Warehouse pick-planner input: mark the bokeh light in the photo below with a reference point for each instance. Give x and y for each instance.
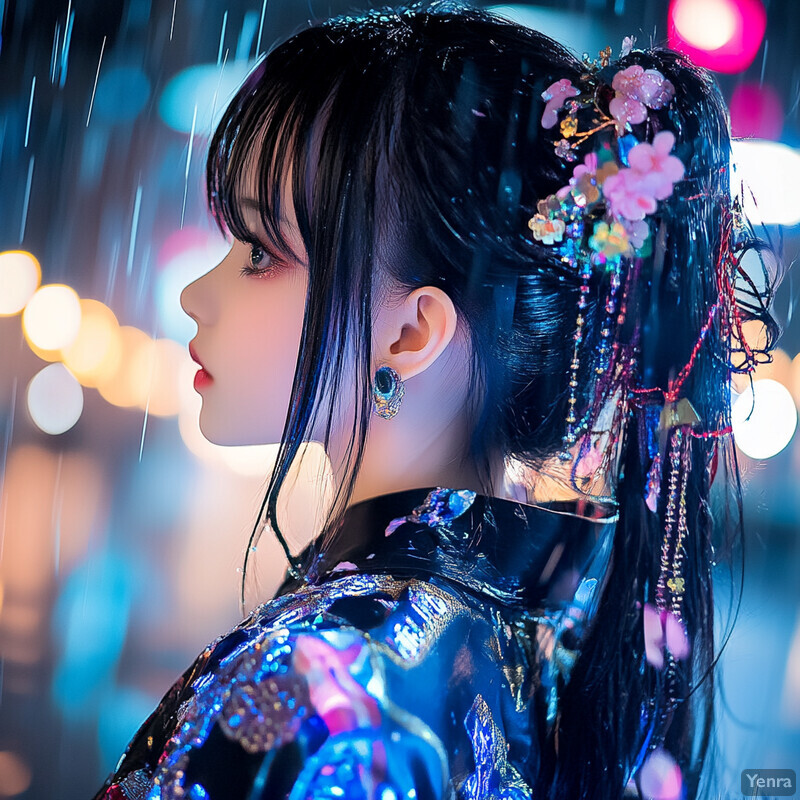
(756, 112)
(582, 33)
(793, 383)
(203, 90)
(707, 24)
(82, 497)
(124, 387)
(95, 353)
(764, 419)
(23, 641)
(779, 369)
(55, 399)
(249, 460)
(790, 696)
(52, 317)
(15, 774)
(189, 237)
(46, 355)
(156, 367)
(121, 712)
(770, 172)
(42, 490)
(26, 512)
(90, 623)
(661, 777)
(26, 508)
(20, 275)
(122, 93)
(723, 35)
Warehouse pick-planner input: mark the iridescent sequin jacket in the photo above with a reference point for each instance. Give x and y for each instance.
(422, 661)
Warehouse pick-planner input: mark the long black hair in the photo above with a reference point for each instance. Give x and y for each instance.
(414, 140)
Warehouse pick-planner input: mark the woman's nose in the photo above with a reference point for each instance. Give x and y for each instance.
(187, 300)
(199, 298)
(194, 298)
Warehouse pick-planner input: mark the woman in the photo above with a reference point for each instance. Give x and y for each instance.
(503, 288)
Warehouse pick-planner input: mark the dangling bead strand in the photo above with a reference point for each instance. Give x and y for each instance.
(571, 436)
(605, 332)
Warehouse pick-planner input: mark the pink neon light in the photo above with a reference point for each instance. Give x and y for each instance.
(756, 112)
(739, 51)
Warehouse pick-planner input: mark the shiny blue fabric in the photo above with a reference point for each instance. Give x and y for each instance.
(421, 659)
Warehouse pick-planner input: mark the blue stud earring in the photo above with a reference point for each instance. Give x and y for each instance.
(387, 392)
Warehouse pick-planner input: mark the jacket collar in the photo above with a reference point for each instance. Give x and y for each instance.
(508, 551)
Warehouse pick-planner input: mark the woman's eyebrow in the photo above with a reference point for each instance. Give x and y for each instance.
(251, 204)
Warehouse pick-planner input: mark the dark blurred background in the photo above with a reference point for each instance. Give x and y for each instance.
(121, 529)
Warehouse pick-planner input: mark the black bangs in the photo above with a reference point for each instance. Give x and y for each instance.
(262, 141)
(307, 127)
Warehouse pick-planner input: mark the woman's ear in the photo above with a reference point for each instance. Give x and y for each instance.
(410, 336)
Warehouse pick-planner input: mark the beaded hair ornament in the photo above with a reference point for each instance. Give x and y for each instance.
(603, 224)
(601, 219)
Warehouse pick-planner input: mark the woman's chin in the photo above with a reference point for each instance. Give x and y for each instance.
(224, 436)
(219, 434)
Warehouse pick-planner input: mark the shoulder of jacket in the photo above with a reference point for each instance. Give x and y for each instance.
(320, 687)
(361, 600)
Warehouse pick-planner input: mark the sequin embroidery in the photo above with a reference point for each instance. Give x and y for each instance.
(494, 778)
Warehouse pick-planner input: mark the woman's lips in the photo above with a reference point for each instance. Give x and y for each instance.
(202, 377)
(195, 358)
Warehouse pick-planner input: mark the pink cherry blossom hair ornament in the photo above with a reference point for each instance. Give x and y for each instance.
(555, 96)
(599, 219)
(636, 90)
(609, 223)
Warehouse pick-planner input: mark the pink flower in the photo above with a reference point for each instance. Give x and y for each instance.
(628, 196)
(654, 161)
(638, 231)
(583, 183)
(563, 193)
(582, 186)
(555, 96)
(589, 165)
(662, 628)
(638, 89)
(648, 86)
(626, 109)
(633, 192)
(661, 777)
(339, 699)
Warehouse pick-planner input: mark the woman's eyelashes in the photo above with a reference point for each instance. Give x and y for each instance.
(259, 262)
